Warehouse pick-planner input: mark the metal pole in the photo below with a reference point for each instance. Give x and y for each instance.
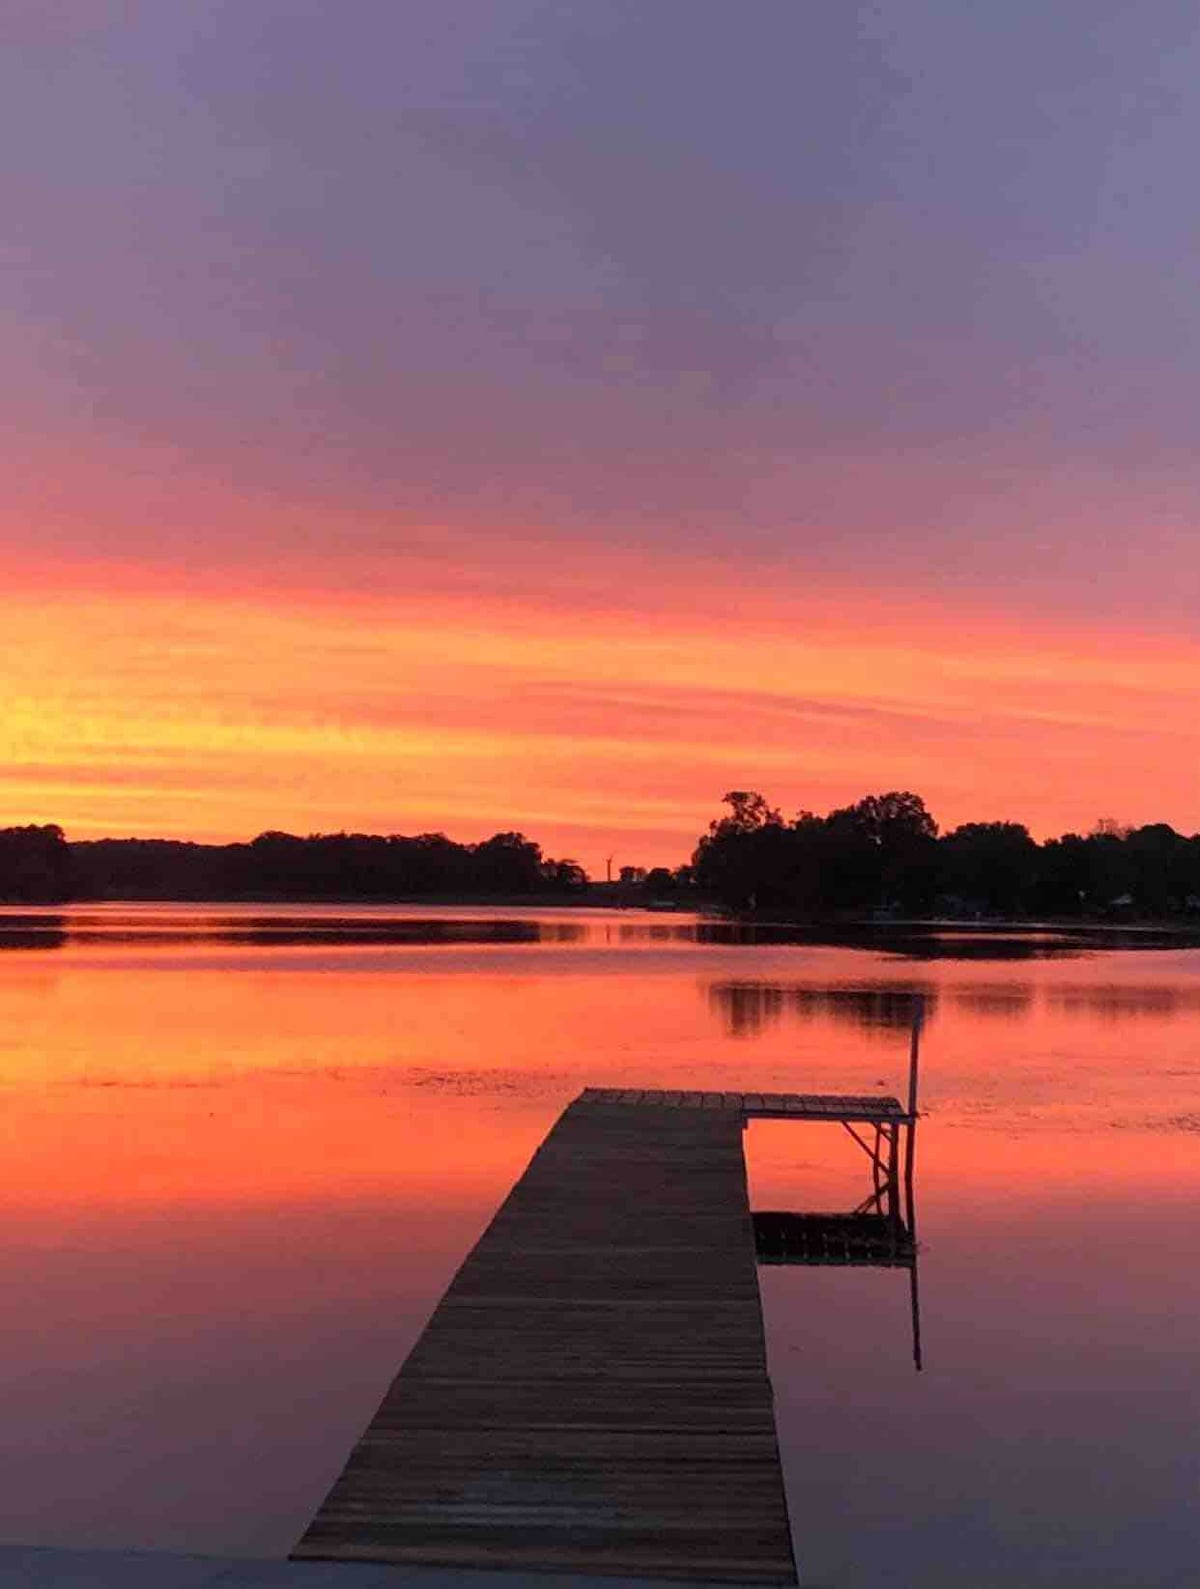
(914, 1060)
(910, 1146)
(914, 1052)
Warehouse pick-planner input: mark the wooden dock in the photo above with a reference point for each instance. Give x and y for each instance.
(853, 1108)
(591, 1394)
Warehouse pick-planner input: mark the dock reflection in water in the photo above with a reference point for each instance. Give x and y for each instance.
(880, 1232)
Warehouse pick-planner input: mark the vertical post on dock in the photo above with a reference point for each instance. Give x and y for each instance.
(914, 1052)
(914, 1061)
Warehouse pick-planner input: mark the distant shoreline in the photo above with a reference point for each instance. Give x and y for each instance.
(607, 897)
(881, 858)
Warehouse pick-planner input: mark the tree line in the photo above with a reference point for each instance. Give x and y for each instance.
(882, 854)
(885, 853)
(38, 864)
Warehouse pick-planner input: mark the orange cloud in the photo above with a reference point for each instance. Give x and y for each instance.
(606, 725)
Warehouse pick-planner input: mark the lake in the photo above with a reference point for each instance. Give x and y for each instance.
(248, 1146)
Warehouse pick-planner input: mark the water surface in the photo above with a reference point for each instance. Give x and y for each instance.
(247, 1147)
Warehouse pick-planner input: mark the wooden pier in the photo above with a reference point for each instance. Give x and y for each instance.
(591, 1394)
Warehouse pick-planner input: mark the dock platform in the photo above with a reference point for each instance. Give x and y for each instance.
(852, 1108)
(591, 1393)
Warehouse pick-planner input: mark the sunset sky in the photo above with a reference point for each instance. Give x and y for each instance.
(475, 414)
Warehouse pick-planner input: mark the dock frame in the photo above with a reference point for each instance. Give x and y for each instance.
(591, 1393)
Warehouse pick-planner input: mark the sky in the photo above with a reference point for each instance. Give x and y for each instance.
(552, 414)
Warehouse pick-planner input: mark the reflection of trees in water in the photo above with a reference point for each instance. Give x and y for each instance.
(1116, 1003)
(656, 932)
(278, 932)
(32, 931)
(937, 940)
(912, 940)
(267, 932)
(747, 1008)
(932, 945)
(996, 1002)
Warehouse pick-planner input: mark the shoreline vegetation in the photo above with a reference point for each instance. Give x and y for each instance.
(881, 860)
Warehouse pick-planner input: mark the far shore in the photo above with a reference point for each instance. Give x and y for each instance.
(778, 925)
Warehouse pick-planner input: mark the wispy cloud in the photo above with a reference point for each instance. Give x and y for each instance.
(216, 715)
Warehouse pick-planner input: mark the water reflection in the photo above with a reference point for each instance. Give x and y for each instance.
(272, 926)
(948, 940)
(32, 930)
(747, 1008)
(880, 1232)
(996, 1001)
(238, 1182)
(1112, 1002)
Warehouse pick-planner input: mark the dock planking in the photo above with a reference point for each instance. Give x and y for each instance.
(853, 1108)
(591, 1393)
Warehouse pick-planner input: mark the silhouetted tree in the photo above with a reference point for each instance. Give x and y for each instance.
(35, 865)
(748, 812)
(884, 852)
(992, 866)
(565, 874)
(1110, 867)
(1161, 868)
(744, 859)
(881, 851)
(1064, 876)
(279, 865)
(508, 863)
(153, 869)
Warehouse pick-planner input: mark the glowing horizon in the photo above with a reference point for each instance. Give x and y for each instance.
(214, 714)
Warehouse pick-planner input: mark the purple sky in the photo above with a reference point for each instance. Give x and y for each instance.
(902, 291)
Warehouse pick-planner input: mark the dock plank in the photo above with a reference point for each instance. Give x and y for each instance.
(591, 1394)
(789, 1105)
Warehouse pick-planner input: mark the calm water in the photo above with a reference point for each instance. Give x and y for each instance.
(247, 1148)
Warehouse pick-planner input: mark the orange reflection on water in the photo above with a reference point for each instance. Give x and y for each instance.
(239, 1177)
